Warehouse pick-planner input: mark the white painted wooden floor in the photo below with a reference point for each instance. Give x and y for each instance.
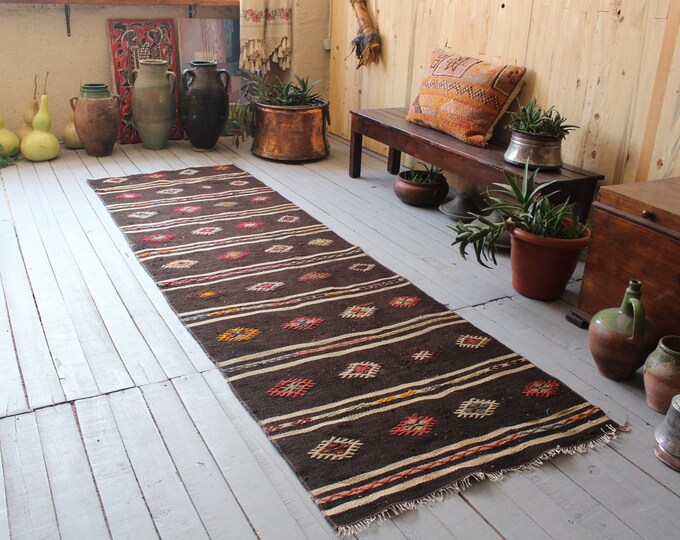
(114, 423)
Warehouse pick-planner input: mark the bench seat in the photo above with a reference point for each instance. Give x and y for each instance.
(483, 166)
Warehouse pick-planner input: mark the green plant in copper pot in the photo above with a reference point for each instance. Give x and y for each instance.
(532, 119)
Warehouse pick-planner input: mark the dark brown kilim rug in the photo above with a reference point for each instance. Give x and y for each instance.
(378, 396)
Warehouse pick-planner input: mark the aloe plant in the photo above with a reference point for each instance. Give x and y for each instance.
(531, 118)
(289, 94)
(523, 204)
(429, 174)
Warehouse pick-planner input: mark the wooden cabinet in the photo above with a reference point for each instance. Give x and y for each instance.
(635, 235)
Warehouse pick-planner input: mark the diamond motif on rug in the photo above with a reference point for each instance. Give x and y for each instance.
(303, 323)
(188, 172)
(142, 214)
(187, 209)
(260, 199)
(129, 196)
(159, 237)
(336, 448)
(180, 263)
(360, 370)
(206, 231)
(472, 342)
(238, 334)
(250, 225)
(170, 191)
(323, 242)
(239, 183)
(544, 389)
(291, 388)
(405, 302)
(227, 204)
(115, 180)
(311, 276)
(476, 408)
(278, 248)
(358, 312)
(414, 426)
(266, 286)
(288, 219)
(233, 255)
(362, 267)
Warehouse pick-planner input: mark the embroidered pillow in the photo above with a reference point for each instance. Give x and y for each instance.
(464, 96)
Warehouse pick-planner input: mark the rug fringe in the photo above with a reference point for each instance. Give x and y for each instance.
(608, 435)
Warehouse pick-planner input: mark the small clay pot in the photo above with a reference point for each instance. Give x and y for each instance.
(662, 373)
(417, 194)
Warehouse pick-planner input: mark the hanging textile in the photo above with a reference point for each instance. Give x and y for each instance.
(265, 34)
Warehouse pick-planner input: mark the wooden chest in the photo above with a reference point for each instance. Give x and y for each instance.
(635, 235)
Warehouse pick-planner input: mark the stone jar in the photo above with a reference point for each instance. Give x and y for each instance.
(662, 373)
(153, 102)
(204, 102)
(96, 116)
(621, 338)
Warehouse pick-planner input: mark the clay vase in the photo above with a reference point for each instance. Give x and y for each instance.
(40, 144)
(153, 102)
(662, 373)
(204, 102)
(96, 115)
(621, 338)
(418, 194)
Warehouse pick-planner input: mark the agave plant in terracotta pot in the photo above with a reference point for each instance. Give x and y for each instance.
(421, 187)
(546, 238)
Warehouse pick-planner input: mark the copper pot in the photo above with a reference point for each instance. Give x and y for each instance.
(296, 133)
(540, 150)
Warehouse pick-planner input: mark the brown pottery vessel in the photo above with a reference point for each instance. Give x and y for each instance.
(419, 194)
(662, 373)
(621, 338)
(96, 116)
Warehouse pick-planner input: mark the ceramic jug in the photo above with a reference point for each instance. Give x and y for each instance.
(153, 102)
(96, 115)
(204, 102)
(621, 338)
(662, 373)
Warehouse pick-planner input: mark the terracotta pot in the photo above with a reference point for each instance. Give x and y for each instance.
(417, 194)
(291, 133)
(153, 102)
(204, 102)
(621, 338)
(541, 267)
(96, 116)
(662, 373)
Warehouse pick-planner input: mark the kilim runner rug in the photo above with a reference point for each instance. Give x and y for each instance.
(378, 396)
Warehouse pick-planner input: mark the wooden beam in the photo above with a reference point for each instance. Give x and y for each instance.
(136, 2)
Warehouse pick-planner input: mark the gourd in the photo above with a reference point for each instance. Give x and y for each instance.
(40, 144)
(9, 142)
(70, 136)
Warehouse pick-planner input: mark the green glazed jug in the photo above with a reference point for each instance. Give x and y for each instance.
(662, 374)
(621, 338)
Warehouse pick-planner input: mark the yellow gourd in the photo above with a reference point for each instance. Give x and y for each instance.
(40, 144)
(70, 136)
(9, 142)
(29, 113)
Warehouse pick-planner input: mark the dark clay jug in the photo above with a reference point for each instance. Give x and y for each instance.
(621, 338)
(204, 102)
(96, 116)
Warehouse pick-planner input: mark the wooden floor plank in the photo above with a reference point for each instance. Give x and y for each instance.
(172, 511)
(29, 500)
(126, 511)
(75, 375)
(12, 393)
(78, 508)
(4, 517)
(214, 501)
(39, 374)
(251, 486)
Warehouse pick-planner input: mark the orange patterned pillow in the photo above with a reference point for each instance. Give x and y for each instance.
(464, 96)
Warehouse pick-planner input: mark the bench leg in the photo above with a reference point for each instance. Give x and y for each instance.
(355, 155)
(393, 161)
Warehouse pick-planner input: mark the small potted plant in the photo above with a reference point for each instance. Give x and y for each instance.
(546, 238)
(289, 119)
(421, 187)
(536, 136)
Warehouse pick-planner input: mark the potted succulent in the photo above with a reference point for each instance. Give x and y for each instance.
(546, 238)
(421, 187)
(288, 119)
(536, 136)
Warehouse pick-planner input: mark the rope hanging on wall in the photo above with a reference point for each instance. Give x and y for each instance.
(367, 43)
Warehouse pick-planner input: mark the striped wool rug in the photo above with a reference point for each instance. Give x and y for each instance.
(379, 397)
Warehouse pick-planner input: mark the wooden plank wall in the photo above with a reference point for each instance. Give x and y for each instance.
(611, 66)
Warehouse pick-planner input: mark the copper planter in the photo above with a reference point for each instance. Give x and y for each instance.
(295, 133)
(541, 151)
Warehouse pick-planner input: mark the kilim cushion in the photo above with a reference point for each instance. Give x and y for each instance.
(464, 96)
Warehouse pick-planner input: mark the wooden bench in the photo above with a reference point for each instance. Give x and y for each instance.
(481, 165)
